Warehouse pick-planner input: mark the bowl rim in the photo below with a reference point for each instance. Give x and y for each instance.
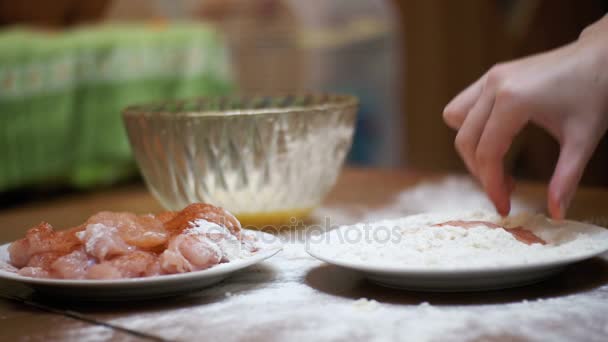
(338, 101)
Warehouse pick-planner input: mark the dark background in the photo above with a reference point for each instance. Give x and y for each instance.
(446, 45)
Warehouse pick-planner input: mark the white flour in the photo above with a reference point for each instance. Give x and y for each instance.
(94, 235)
(413, 242)
(366, 304)
(229, 247)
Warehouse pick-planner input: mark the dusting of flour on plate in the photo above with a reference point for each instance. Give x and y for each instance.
(219, 237)
(204, 227)
(415, 242)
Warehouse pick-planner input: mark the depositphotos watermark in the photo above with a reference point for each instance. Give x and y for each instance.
(311, 233)
(298, 231)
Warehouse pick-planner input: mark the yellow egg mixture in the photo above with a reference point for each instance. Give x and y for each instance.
(274, 220)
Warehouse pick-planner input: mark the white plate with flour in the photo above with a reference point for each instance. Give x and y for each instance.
(146, 287)
(424, 253)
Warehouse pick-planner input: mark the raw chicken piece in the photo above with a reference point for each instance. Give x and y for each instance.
(229, 245)
(34, 272)
(137, 264)
(19, 253)
(519, 233)
(203, 211)
(525, 236)
(165, 216)
(103, 242)
(133, 265)
(187, 253)
(44, 260)
(103, 271)
(71, 266)
(41, 239)
(39, 265)
(249, 240)
(143, 231)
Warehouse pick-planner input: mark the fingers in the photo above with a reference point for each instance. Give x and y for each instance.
(487, 132)
(456, 111)
(568, 172)
(503, 124)
(472, 128)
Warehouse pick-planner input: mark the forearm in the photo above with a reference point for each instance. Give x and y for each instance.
(592, 48)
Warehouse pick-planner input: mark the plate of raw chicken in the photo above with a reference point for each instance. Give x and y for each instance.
(124, 256)
(460, 251)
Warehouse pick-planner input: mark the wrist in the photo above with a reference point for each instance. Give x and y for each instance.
(599, 27)
(592, 45)
(592, 52)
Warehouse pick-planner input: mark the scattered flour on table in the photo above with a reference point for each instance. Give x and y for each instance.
(287, 309)
(272, 303)
(413, 241)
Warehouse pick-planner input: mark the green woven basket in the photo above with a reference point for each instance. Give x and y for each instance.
(61, 95)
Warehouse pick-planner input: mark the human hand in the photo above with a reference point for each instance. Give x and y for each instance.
(564, 91)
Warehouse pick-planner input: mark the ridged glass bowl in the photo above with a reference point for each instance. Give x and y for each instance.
(265, 159)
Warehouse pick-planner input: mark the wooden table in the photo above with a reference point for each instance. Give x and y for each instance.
(294, 297)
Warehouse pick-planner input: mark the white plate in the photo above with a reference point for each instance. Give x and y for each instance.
(456, 280)
(147, 287)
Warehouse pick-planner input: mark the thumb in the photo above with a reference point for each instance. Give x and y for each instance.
(572, 161)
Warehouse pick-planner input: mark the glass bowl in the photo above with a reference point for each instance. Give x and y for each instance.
(265, 159)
